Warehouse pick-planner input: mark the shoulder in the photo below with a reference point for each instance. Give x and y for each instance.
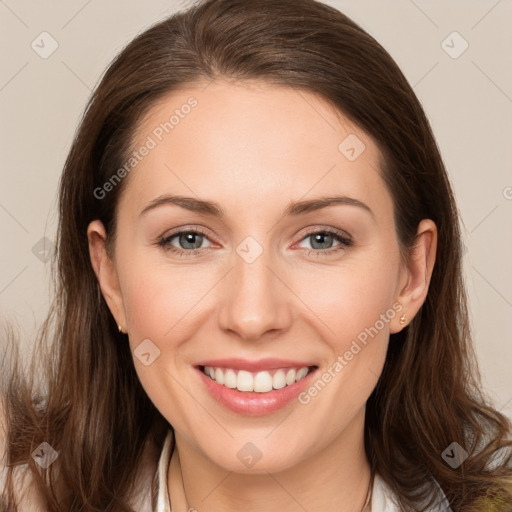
(385, 500)
(142, 497)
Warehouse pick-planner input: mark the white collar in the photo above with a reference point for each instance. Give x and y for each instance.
(163, 504)
(383, 499)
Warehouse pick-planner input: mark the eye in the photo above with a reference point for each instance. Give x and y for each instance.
(190, 242)
(321, 242)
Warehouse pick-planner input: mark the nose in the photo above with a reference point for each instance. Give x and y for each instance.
(255, 299)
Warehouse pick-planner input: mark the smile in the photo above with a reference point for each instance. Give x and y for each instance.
(259, 382)
(255, 388)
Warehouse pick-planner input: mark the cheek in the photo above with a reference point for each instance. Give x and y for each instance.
(157, 296)
(161, 302)
(350, 297)
(354, 306)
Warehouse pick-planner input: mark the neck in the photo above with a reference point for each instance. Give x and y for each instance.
(335, 478)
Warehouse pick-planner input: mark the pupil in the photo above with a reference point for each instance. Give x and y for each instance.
(319, 237)
(188, 238)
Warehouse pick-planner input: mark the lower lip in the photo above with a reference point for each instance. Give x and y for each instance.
(252, 403)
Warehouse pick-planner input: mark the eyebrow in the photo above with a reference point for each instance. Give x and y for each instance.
(215, 210)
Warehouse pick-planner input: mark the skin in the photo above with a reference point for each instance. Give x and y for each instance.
(254, 148)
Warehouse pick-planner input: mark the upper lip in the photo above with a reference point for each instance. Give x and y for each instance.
(269, 363)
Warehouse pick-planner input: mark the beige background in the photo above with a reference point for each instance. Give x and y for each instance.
(468, 100)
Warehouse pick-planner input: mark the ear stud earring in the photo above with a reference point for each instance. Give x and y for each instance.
(402, 319)
(119, 328)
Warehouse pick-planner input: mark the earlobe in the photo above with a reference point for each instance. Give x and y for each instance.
(105, 270)
(421, 260)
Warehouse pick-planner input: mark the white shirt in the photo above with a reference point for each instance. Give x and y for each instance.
(383, 499)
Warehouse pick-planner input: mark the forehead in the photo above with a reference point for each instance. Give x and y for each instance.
(251, 144)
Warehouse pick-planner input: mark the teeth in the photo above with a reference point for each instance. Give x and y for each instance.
(301, 373)
(230, 379)
(244, 381)
(279, 380)
(259, 382)
(219, 376)
(290, 376)
(263, 382)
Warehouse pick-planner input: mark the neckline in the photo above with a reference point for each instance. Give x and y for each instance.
(381, 497)
(163, 503)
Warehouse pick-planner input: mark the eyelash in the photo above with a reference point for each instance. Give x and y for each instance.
(345, 242)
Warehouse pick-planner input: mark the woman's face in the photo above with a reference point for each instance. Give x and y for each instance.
(277, 283)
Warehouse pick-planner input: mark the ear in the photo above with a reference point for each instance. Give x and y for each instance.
(416, 274)
(105, 270)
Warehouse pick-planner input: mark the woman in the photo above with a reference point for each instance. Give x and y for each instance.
(204, 357)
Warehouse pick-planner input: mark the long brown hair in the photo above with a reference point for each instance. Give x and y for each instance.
(90, 405)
